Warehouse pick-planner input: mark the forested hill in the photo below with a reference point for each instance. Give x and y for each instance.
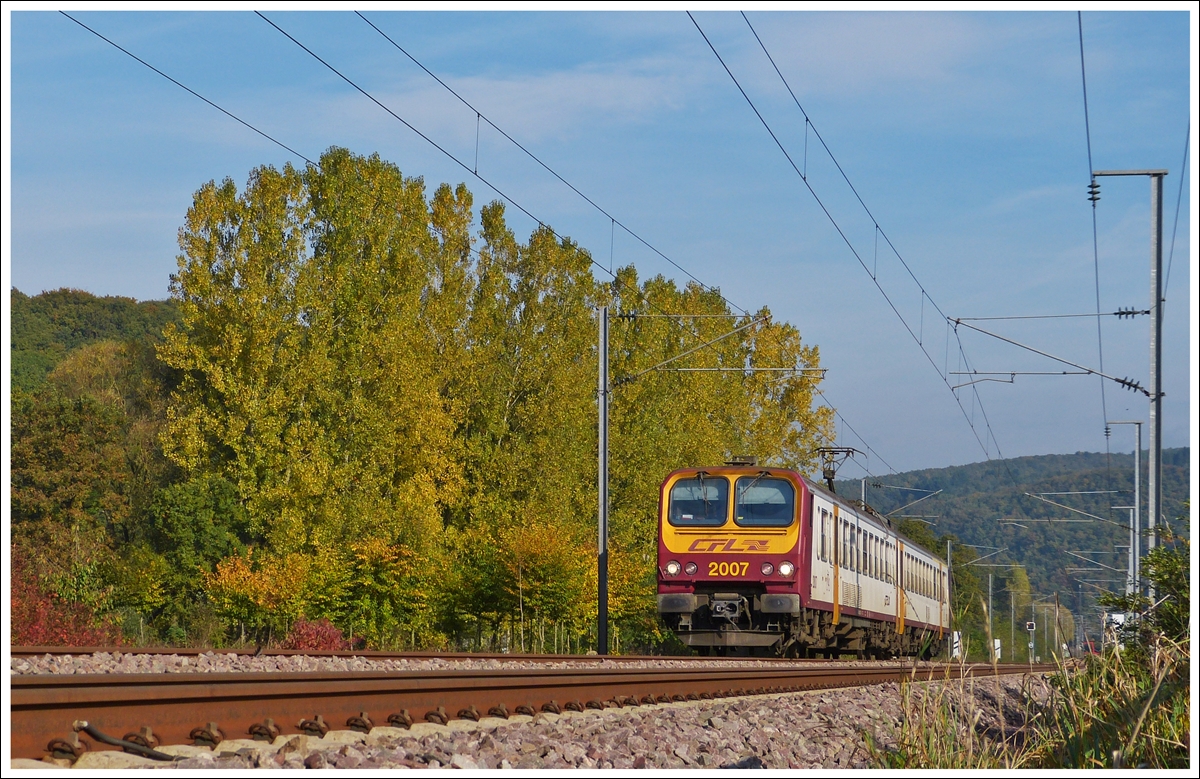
(975, 497)
(46, 327)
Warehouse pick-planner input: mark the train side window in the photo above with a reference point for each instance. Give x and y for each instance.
(847, 560)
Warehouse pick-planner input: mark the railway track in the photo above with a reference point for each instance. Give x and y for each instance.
(186, 708)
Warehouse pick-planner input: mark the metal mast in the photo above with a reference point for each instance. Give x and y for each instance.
(602, 541)
(1154, 487)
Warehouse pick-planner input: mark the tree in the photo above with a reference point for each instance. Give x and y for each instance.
(67, 463)
(365, 382)
(307, 379)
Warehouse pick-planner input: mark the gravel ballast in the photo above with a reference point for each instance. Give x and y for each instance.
(819, 729)
(229, 662)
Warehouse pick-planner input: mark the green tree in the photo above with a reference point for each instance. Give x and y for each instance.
(306, 364)
(361, 376)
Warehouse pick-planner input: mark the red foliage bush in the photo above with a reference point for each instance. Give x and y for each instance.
(40, 618)
(321, 635)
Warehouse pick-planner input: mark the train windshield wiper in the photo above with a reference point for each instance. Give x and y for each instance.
(757, 478)
(703, 491)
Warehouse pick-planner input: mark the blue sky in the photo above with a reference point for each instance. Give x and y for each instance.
(963, 133)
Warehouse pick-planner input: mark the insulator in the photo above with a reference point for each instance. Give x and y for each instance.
(1093, 191)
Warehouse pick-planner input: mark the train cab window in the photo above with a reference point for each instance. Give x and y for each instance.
(703, 501)
(763, 501)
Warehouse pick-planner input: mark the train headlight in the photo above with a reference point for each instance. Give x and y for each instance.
(672, 568)
(786, 569)
(690, 569)
(767, 569)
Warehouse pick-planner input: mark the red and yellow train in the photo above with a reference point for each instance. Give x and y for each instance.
(755, 560)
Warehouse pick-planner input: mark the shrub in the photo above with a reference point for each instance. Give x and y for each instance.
(321, 635)
(40, 618)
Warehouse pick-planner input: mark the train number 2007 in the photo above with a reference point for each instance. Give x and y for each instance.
(727, 569)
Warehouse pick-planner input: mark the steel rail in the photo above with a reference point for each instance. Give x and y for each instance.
(178, 706)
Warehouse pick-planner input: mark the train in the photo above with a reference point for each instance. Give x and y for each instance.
(763, 561)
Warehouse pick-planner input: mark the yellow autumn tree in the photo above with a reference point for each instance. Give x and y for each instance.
(408, 410)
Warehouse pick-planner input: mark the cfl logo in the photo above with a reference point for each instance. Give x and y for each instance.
(724, 545)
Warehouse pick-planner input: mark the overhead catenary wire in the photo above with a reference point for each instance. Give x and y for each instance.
(878, 231)
(503, 195)
(283, 145)
(1095, 198)
(916, 338)
(1178, 199)
(1127, 383)
(191, 91)
(1119, 314)
(479, 114)
(276, 141)
(613, 221)
(863, 441)
(465, 167)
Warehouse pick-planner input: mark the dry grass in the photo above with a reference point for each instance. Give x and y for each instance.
(1122, 709)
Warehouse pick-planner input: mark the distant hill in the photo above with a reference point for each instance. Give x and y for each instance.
(46, 327)
(974, 497)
